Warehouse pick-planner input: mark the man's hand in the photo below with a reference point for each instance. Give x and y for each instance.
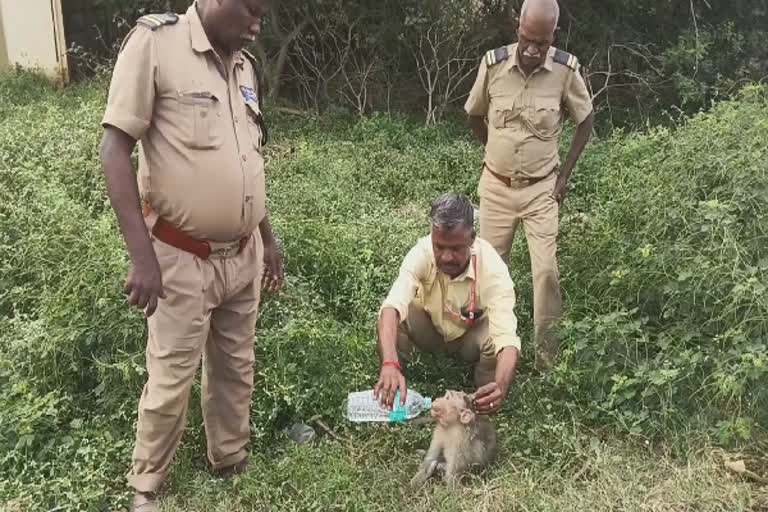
(580, 138)
(390, 380)
(144, 284)
(560, 190)
(489, 398)
(479, 128)
(272, 280)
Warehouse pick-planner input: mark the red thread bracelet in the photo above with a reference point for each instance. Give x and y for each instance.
(393, 363)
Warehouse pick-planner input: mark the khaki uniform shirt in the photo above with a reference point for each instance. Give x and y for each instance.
(525, 114)
(420, 281)
(200, 156)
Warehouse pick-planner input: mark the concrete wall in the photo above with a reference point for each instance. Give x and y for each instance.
(89, 28)
(3, 51)
(33, 36)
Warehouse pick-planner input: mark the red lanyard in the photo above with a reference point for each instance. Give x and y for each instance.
(470, 318)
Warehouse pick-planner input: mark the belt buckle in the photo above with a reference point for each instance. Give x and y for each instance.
(226, 251)
(518, 182)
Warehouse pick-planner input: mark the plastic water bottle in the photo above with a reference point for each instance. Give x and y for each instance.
(362, 406)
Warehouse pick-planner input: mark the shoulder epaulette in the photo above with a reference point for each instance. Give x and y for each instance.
(566, 59)
(255, 64)
(493, 57)
(155, 21)
(259, 94)
(251, 58)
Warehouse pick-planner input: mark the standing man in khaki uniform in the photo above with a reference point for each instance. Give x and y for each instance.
(521, 89)
(196, 228)
(453, 295)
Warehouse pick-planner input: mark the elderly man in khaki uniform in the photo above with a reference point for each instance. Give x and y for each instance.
(521, 90)
(201, 247)
(453, 295)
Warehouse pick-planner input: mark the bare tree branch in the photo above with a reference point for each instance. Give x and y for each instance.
(358, 76)
(696, 29)
(320, 55)
(444, 60)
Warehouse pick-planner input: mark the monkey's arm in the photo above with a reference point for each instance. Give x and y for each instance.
(429, 464)
(455, 465)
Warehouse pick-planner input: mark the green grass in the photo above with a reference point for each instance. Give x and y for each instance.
(663, 252)
(602, 478)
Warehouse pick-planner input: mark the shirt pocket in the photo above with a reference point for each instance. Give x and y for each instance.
(505, 112)
(546, 114)
(256, 127)
(201, 119)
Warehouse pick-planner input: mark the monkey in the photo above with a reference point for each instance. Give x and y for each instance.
(462, 440)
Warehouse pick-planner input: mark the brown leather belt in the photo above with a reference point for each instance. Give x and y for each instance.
(517, 182)
(171, 235)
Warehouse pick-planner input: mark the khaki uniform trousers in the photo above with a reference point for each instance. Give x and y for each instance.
(502, 209)
(474, 347)
(209, 312)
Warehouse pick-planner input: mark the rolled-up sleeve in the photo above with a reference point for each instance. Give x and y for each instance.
(499, 293)
(412, 270)
(577, 98)
(132, 89)
(478, 100)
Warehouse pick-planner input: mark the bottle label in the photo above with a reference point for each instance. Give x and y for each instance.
(398, 412)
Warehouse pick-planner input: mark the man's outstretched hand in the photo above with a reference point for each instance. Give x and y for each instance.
(489, 398)
(390, 380)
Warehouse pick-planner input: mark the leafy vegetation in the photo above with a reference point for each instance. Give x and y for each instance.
(663, 255)
(418, 57)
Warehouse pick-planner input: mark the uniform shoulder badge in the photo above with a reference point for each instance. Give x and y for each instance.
(566, 59)
(257, 95)
(255, 65)
(493, 57)
(155, 21)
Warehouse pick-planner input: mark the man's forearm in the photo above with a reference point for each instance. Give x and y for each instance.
(265, 229)
(479, 128)
(506, 363)
(580, 138)
(388, 322)
(123, 193)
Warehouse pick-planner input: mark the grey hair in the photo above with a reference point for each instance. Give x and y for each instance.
(539, 7)
(451, 210)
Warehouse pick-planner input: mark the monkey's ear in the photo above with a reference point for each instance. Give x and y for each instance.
(466, 416)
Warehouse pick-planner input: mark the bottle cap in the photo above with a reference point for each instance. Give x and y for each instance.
(427, 402)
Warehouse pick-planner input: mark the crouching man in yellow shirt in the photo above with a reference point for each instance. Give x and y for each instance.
(453, 295)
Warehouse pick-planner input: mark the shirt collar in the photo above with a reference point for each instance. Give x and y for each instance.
(547, 61)
(200, 41)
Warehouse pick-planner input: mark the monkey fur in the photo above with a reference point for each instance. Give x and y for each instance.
(462, 440)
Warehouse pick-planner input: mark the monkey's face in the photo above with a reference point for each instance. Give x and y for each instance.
(453, 408)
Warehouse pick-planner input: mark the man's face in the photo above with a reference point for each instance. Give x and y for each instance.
(238, 22)
(452, 249)
(533, 41)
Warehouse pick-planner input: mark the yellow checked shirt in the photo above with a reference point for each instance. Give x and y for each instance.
(420, 281)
